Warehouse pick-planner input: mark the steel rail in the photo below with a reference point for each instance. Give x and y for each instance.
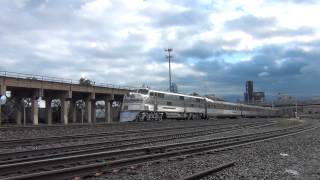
(193, 146)
(102, 166)
(27, 141)
(14, 157)
(209, 171)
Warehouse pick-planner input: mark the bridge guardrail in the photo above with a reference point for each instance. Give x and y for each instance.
(59, 80)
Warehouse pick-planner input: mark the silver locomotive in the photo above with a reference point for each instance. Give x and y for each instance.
(151, 105)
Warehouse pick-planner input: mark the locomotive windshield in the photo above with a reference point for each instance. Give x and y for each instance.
(143, 91)
(133, 98)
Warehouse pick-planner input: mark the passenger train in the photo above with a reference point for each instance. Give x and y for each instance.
(151, 105)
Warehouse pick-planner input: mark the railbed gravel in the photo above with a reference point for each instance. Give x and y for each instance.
(292, 157)
(99, 139)
(7, 133)
(240, 131)
(102, 139)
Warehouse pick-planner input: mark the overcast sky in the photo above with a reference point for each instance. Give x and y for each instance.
(217, 44)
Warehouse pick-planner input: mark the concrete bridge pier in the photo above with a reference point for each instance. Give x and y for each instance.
(88, 110)
(90, 107)
(73, 110)
(108, 105)
(36, 94)
(2, 92)
(35, 111)
(93, 111)
(65, 106)
(48, 111)
(19, 110)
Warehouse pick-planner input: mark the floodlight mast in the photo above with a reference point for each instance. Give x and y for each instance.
(169, 57)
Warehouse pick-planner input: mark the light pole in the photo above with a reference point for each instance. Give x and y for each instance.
(169, 58)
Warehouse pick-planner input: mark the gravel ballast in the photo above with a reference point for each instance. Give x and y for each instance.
(291, 157)
(7, 133)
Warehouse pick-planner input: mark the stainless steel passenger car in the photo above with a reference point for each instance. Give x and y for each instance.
(148, 105)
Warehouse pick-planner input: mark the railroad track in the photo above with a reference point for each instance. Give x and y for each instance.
(80, 165)
(14, 157)
(89, 136)
(207, 172)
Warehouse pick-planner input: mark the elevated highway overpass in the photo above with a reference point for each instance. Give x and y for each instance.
(22, 86)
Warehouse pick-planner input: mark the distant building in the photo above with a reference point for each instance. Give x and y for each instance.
(258, 96)
(248, 95)
(174, 88)
(283, 99)
(253, 97)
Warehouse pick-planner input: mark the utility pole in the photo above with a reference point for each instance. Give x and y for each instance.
(169, 57)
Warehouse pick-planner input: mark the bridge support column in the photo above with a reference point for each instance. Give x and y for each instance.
(90, 107)
(0, 115)
(82, 115)
(64, 111)
(34, 111)
(107, 107)
(65, 105)
(73, 110)
(48, 111)
(35, 106)
(93, 111)
(19, 115)
(88, 110)
(24, 111)
(2, 92)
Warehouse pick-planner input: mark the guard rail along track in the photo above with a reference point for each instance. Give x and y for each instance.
(86, 164)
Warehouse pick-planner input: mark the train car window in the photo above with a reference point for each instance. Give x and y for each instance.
(169, 103)
(181, 98)
(197, 100)
(219, 106)
(160, 95)
(152, 94)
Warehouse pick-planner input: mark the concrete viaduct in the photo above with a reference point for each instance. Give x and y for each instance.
(68, 92)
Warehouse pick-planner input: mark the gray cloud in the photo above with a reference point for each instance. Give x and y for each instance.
(298, 1)
(264, 27)
(208, 49)
(172, 18)
(289, 71)
(55, 38)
